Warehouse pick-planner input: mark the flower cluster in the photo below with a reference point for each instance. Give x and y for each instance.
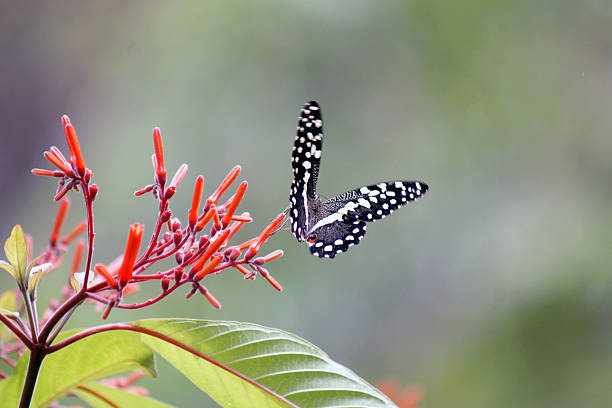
(200, 247)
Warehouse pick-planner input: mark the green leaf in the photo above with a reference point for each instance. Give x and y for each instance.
(90, 358)
(16, 250)
(8, 303)
(286, 364)
(9, 268)
(113, 397)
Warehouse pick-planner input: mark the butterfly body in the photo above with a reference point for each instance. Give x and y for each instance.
(334, 225)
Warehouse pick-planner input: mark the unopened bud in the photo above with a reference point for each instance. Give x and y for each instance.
(234, 254)
(203, 241)
(88, 176)
(251, 252)
(144, 190)
(170, 191)
(178, 274)
(166, 216)
(93, 191)
(177, 236)
(165, 282)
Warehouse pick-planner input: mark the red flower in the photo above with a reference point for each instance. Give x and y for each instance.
(131, 252)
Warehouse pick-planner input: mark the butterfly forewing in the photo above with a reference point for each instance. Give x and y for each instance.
(305, 161)
(376, 201)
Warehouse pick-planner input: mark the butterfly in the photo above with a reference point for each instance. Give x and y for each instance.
(334, 225)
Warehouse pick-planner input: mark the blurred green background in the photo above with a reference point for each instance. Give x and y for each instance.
(493, 290)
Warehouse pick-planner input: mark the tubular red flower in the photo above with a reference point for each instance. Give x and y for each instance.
(160, 168)
(248, 243)
(235, 227)
(195, 202)
(101, 269)
(59, 220)
(216, 260)
(267, 233)
(242, 218)
(144, 190)
(178, 176)
(78, 254)
(263, 272)
(213, 301)
(270, 257)
(234, 204)
(57, 162)
(247, 274)
(75, 149)
(131, 252)
(44, 172)
(206, 219)
(212, 248)
(74, 233)
(229, 179)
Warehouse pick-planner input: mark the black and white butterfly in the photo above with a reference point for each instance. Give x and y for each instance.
(334, 225)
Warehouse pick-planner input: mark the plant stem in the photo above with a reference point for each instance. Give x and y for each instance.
(37, 354)
(31, 314)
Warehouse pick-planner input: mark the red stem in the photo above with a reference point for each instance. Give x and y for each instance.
(90, 233)
(12, 327)
(150, 301)
(158, 226)
(152, 333)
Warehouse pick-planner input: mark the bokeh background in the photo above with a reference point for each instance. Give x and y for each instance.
(493, 290)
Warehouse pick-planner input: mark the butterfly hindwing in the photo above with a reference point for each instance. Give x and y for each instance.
(305, 161)
(337, 237)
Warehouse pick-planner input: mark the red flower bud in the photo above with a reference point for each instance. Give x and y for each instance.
(212, 248)
(76, 159)
(59, 220)
(78, 255)
(51, 173)
(234, 204)
(178, 176)
(160, 168)
(169, 193)
(178, 274)
(88, 175)
(165, 283)
(166, 216)
(93, 192)
(131, 252)
(59, 161)
(177, 237)
(263, 272)
(101, 269)
(247, 274)
(195, 202)
(144, 190)
(229, 179)
(216, 260)
(74, 233)
(213, 301)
